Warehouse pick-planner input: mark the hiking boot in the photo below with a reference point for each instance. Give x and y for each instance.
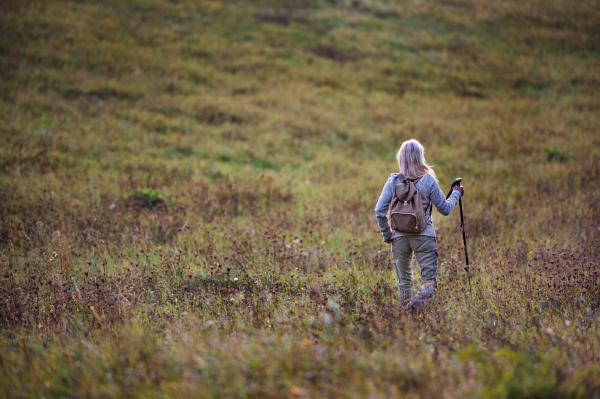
(404, 296)
(424, 295)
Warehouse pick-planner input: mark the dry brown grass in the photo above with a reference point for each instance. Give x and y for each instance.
(251, 266)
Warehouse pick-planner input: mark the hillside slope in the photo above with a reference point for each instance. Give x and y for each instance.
(187, 193)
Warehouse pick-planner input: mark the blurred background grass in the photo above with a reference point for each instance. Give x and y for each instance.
(250, 140)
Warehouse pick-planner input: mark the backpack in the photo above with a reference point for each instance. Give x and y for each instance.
(407, 214)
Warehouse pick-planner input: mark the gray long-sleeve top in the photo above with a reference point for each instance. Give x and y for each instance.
(430, 192)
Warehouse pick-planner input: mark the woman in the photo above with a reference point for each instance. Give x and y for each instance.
(411, 160)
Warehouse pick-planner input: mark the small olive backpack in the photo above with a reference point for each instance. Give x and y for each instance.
(407, 214)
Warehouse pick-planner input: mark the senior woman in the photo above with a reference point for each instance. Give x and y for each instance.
(412, 165)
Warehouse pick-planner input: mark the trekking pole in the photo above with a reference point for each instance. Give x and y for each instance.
(462, 224)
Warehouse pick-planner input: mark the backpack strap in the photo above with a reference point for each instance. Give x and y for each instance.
(429, 208)
(403, 178)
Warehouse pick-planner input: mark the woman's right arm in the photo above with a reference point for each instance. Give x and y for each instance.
(381, 210)
(443, 205)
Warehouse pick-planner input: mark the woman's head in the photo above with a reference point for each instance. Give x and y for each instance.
(411, 160)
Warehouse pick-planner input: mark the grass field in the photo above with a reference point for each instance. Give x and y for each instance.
(187, 193)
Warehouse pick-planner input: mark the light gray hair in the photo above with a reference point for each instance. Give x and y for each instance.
(411, 160)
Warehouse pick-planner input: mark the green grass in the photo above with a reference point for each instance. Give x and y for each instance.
(266, 130)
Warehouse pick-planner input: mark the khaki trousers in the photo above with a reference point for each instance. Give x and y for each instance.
(425, 250)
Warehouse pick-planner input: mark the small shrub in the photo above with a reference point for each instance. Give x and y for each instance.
(215, 116)
(150, 198)
(282, 18)
(185, 150)
(558, 154)
(333, 53)
(224, 157)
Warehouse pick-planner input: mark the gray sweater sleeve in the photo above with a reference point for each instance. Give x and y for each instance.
(381, 210)
(437, 197)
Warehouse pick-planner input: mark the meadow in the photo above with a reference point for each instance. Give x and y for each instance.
(187, 193)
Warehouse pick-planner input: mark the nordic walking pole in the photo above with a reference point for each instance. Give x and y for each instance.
(462, 224)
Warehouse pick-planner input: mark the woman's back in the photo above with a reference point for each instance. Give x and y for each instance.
(430, 194)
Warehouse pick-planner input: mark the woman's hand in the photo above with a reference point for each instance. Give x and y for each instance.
(460, 189)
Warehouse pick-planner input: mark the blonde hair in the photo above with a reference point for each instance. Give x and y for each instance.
(411, 160)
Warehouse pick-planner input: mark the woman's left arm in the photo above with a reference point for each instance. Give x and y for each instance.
(443, 205)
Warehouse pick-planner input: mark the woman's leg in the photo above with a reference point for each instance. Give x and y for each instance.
(425, 249)
(402, 256)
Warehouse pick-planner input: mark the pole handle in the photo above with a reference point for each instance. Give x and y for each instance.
(454, 184)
